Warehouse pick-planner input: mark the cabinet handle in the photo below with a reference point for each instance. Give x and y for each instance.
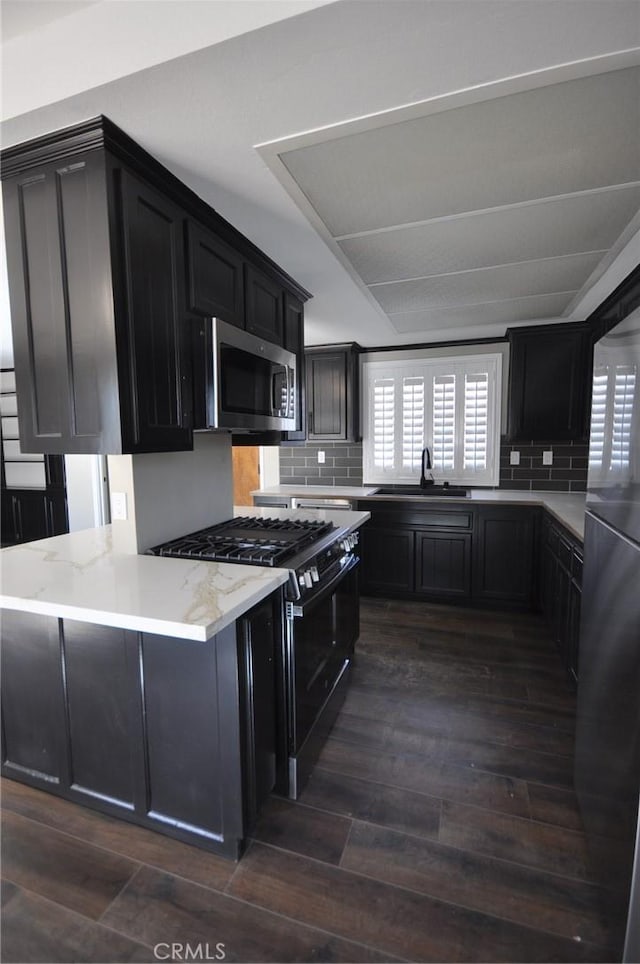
(17, 517)
(50, 519)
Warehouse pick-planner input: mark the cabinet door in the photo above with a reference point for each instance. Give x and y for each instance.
(59, 265)
(443, 564)
(503, 565)
(294, 341)
(259, 706)
(575, 602)
(264, 307)
(57, 513)
(31, 519)
(33, 713)
(327, 396)
(387, 560)
(548, 384)
(159, 362)
(216, 283)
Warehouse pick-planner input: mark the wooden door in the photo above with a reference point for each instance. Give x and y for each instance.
(246, 473)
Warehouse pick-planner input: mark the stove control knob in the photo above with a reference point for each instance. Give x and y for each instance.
(308, 579)
(315, 575)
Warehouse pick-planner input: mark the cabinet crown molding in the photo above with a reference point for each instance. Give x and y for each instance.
(100, 133)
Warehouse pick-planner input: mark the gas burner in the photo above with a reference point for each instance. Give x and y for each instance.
(251, 540)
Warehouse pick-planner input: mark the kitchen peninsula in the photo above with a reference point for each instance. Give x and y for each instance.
(145, 687)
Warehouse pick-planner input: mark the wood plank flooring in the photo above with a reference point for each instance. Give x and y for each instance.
(439, 825)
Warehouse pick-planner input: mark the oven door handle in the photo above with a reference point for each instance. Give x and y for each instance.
(323, 591)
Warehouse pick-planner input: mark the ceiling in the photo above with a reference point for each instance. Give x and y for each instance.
(20, 17)
(498, 211)
(442, 169)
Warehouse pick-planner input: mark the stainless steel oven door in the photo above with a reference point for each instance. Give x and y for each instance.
(321, 634)
(252, 384)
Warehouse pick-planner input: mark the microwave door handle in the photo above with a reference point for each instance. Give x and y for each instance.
(290, 391)
(274, 393)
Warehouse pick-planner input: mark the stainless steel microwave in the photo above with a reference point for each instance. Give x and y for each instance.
(252, 382)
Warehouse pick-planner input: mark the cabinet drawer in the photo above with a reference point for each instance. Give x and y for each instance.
(417, 515)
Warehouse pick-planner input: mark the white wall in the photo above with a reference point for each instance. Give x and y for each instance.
(87, 491)
(171, 494)
(269, 466)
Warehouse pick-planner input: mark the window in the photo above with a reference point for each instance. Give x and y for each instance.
(612, 400)
(451, 405)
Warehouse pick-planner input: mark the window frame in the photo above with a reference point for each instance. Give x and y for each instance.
(429, 368)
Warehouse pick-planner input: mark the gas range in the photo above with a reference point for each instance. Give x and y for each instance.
(319, 615)
(309, 549)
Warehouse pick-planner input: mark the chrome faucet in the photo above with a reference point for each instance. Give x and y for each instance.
(426, 476)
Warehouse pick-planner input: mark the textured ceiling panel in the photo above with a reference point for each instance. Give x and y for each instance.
(503, 312)
(567, 137)
(488, 284)
(588, 222)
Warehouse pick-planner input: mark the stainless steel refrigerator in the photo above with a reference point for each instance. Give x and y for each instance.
(607, 769)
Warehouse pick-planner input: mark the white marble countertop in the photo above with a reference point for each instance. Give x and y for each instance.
(78, 576)
(568, 508)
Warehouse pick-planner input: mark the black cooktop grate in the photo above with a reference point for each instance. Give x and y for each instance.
(251, 540)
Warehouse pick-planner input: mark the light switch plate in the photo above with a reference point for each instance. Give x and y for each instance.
(321, 458)
(547, 457)
(118, 506)
(514, 458)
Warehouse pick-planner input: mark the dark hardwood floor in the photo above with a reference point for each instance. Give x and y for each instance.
(438, 825)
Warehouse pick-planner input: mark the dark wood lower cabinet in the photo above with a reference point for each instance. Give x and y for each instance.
(176, 735)
(443, 564)
(561, 590)
(387, 560)
(259, 720)
(504, 545)
(30, 514)
(450, 553)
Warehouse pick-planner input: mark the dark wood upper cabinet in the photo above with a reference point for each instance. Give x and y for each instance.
(158, 356)
(216, 276)
(263, 305)
(112, 263)
(332, 396)
(549, 382)
(62, 312)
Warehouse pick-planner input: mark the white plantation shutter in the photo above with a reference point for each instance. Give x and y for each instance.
(598, 418)
(384, 422)
(476, 421)
(452, 405)
(612, 401)
(623, 398)
(444, 422)
(412, 421)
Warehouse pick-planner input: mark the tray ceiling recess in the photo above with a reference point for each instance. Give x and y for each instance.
(454, 214)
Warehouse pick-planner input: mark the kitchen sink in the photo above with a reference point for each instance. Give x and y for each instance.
(430, 492)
